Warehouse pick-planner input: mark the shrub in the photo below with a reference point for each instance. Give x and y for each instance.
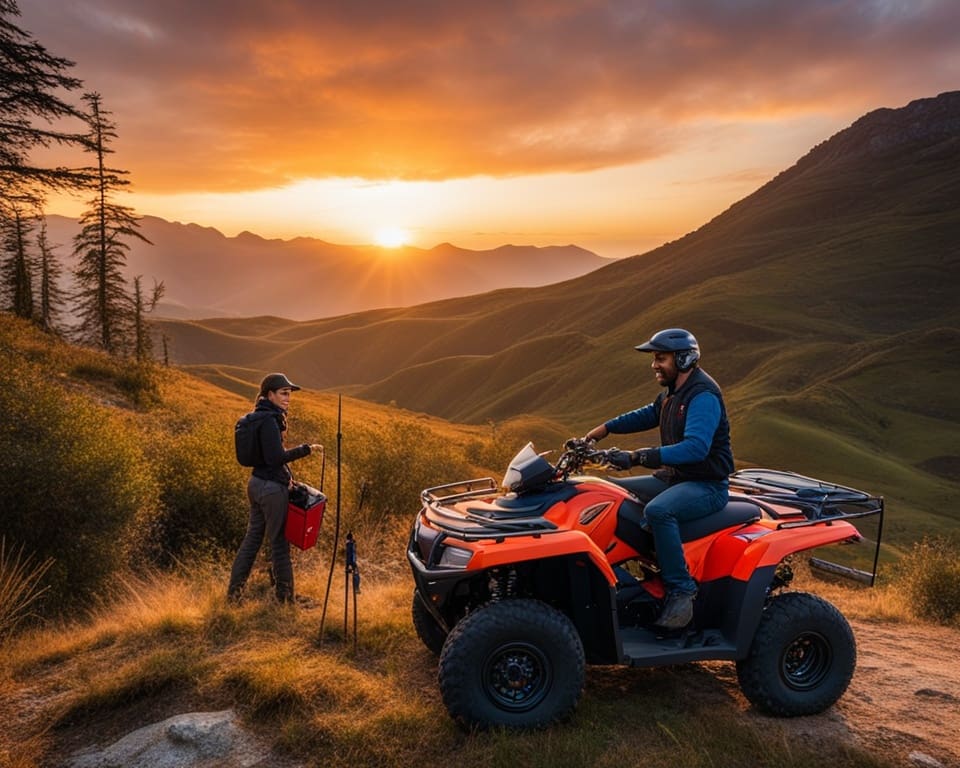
(73, 480)
(930, 574)
(203, 502)
(389, 467)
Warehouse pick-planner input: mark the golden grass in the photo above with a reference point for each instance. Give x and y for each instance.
(374, 703)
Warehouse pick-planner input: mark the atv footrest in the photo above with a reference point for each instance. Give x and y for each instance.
(644, 648)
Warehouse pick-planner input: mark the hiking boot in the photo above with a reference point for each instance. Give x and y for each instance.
(677, 612)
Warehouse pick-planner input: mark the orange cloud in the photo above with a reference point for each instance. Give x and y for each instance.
(220, 96)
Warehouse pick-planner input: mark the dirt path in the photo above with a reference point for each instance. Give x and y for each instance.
(904, 701)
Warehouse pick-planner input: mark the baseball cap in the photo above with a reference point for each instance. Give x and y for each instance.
(274, 381)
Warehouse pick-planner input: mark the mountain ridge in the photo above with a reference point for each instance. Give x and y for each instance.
(209, 274)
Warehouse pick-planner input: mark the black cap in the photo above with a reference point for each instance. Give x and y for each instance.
(275, 381)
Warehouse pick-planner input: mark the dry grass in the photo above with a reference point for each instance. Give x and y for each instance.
(21, 586)
(171, 643)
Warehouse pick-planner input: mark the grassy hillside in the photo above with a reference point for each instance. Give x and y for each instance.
(825, 304)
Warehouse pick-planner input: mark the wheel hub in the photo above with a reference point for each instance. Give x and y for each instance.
(806, 661)
(517, 677)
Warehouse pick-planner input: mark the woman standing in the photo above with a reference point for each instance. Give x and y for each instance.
(268, 489)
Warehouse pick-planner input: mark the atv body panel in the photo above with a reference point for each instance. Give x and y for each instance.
(578, 545)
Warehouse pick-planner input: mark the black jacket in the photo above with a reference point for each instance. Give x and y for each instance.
(275, 458)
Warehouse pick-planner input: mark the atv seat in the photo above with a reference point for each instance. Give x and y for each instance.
(633, 529)
(735, 513)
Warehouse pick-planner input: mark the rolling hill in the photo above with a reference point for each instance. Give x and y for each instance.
(207, 274)
(825, 303)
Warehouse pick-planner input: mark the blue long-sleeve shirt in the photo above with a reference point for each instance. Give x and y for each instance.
(703, 418)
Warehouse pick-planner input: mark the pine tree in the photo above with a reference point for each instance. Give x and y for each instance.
(106, 314)
(17, 272)
(51, 293)
(142, 342)
(30, 80)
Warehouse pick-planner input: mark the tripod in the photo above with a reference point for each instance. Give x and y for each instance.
(351, 579)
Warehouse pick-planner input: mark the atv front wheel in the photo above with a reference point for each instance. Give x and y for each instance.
(801, 659)
(430, 633)
(516, 663)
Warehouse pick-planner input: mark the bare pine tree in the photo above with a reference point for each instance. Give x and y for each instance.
(51, 292)
(105, 311)
(142, 342)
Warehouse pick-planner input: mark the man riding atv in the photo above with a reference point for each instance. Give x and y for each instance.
(691, 465)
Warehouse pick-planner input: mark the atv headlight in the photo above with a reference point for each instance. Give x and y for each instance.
(455, 557)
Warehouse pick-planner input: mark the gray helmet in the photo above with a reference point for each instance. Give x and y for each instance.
(678, 341)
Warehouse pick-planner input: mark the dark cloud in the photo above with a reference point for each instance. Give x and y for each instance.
(231, 95)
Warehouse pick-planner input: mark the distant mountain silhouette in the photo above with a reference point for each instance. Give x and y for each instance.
(826, 304)
(207, 274)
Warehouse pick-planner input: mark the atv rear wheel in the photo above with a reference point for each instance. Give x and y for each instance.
(516, 663)
(801, 659)
(430, 633)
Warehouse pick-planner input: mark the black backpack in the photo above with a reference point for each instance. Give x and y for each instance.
(246, 438)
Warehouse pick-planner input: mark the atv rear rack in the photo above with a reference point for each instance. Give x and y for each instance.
(820, 503)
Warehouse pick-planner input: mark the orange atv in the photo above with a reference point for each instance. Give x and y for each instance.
(518, 590)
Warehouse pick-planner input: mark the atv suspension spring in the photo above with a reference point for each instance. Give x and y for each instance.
(502, 583)
(782, 576)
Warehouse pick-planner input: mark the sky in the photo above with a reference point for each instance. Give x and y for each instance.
(616, 125)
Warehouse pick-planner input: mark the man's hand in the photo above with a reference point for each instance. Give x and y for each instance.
(619, 459)
(645, 457)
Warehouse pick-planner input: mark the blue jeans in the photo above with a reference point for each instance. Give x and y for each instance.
(268, 515)
(668, 506)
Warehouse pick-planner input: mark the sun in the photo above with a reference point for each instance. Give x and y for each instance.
(392, 237)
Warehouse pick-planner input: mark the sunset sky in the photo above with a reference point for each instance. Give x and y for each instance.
(613, 124)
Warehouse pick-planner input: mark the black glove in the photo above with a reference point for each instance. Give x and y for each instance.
(578, 442)
(647, 457)
(619, 459)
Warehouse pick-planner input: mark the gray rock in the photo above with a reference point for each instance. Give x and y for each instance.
(925, 761)
(192, 740)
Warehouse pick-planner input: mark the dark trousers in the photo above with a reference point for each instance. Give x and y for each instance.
(667, 507)
(268, 515)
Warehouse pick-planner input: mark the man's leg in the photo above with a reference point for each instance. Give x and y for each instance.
(680, 503)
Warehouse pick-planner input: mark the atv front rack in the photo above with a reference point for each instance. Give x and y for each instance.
(472, 524)
(817, 502)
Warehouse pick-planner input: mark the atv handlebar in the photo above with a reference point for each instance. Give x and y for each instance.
(578, 453)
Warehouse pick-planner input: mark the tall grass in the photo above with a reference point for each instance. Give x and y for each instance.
(931, 578)
(21, 586)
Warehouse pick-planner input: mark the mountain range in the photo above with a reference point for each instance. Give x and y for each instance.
(825, 303)
(207, 274)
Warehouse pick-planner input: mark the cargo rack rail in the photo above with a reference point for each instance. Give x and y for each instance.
(474, 527)
(820, 503)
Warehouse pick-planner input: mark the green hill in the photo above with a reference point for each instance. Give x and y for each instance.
(825, 304)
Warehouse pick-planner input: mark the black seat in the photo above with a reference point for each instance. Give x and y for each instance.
(735, 513)
(632, 526)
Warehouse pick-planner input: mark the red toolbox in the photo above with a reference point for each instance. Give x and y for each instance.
(304, 515)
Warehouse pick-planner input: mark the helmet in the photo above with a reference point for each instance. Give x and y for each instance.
(677, 340)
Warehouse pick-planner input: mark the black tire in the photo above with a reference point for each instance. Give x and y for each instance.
(515, 663)
(802, 657)
(430, 633)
